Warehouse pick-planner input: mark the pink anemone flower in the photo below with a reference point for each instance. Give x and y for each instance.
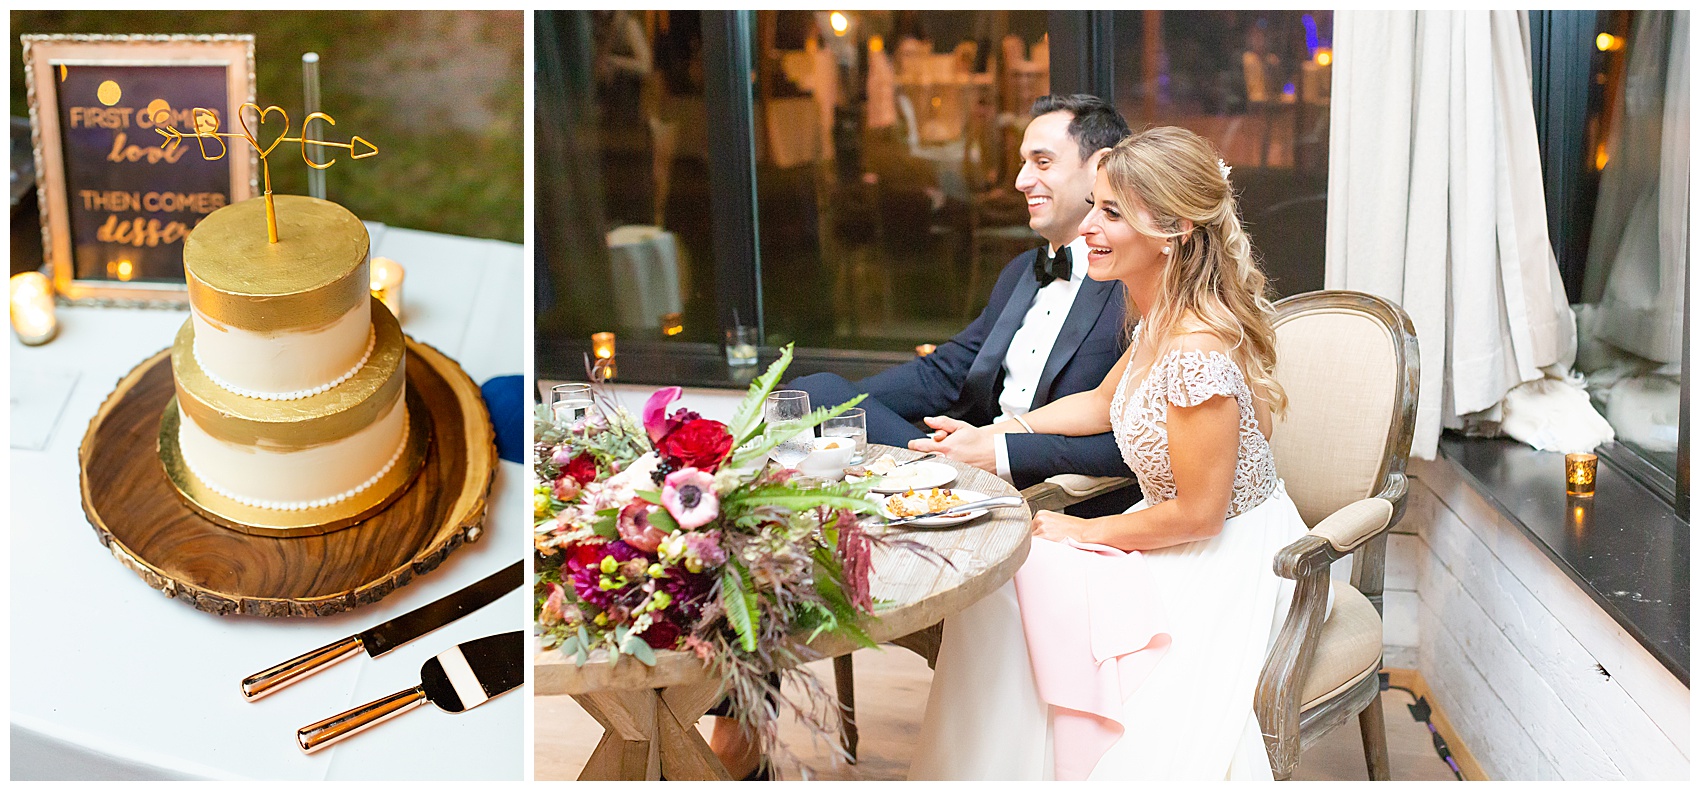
(688, 495)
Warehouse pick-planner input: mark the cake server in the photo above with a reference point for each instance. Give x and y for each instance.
(384, 637)
(458, 679)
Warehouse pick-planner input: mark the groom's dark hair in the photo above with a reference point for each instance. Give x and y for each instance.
(1096, 123)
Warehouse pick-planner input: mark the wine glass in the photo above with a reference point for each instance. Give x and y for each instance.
(784, 409)
(571, 402)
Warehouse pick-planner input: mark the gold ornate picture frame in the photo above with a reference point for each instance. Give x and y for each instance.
(115, 202)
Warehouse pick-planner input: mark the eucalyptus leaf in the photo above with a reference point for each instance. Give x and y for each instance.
(663, 521)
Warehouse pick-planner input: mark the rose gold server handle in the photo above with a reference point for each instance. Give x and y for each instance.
(327, 732)
(279, 676)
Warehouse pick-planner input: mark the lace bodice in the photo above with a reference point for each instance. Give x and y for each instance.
(1187, 378)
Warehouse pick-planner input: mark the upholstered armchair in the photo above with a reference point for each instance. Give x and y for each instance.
(1348, 362)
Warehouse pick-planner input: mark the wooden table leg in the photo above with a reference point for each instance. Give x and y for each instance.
(684, 754)
(844, 673)
(652, 732)
(629, 750)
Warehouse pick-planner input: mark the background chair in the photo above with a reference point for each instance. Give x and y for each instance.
(1348, 362)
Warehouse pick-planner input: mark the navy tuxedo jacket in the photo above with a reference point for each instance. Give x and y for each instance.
(964, 376)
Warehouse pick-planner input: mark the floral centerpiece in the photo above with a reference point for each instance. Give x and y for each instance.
(669, 532)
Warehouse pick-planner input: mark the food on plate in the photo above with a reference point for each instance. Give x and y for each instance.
(911, 503)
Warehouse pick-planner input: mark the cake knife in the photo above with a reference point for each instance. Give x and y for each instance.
(384, 637)
(458, 679)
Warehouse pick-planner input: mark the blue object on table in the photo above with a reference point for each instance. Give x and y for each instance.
(505, 398)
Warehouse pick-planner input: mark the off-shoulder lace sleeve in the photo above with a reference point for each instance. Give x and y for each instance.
(1189, 378)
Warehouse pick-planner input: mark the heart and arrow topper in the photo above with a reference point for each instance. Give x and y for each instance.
(207, 128)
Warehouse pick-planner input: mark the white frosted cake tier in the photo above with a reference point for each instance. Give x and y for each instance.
(295, 478)
(284, 365)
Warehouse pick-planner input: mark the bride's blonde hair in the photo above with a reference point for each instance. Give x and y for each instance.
(1211, 281)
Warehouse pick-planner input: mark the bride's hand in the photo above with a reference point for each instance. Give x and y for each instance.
(1056, 526)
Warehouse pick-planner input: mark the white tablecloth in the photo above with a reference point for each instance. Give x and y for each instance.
(110, 679)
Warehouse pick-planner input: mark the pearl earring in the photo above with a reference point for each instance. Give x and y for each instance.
(1165, 249)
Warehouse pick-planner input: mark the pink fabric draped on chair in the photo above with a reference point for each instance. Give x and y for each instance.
(1095, 630)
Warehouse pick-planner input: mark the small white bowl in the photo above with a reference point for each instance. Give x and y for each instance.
(830, 457)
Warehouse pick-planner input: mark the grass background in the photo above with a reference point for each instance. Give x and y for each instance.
(441, 93)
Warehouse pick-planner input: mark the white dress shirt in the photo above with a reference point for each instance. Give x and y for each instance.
(1031, 345)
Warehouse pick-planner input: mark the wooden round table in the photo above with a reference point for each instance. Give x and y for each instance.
(649, 713)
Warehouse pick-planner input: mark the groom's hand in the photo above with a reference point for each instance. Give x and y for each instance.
(959, 441)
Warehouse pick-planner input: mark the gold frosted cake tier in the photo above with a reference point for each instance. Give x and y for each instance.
(304, 422)
(315, 273)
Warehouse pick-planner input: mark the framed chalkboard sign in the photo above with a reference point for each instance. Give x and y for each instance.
(115, 203)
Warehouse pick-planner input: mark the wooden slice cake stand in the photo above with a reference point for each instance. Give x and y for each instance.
(139, 516)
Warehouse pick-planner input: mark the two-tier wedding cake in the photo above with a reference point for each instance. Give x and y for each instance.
(290, 379)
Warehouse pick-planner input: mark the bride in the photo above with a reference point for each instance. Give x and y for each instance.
(1129, 646)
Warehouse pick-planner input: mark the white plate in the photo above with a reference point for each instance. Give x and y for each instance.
(967, 495)
(920, 475)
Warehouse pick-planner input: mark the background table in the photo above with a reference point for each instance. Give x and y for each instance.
(649, 711)
(111, 679)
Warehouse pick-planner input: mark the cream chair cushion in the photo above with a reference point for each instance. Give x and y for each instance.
(1337, 367)
(1349, 647)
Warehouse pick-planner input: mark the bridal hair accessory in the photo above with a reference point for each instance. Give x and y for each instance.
(1225, 168)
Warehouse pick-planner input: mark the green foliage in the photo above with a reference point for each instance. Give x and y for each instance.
(738, 597)
(747, 420)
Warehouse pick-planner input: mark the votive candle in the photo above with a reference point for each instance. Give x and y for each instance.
(33, 316)
(1579, 472)
(387, 276)
(602, 348)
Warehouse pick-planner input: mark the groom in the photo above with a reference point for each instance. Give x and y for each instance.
(1049, 331)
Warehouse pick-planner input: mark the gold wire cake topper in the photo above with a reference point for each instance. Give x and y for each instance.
(206, 128)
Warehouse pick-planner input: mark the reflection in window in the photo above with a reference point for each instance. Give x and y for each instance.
(1256, 84)
(886, 156)
(622, 176)
(1630, 340)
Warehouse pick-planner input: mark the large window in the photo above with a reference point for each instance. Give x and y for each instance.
(1256, 83)
(625, 237)
(845, 180)
(887, 145)
(1617, 170)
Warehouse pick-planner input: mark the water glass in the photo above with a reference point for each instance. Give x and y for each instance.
(571, 402)
(786, 408)
(853, 423)
(740, 346)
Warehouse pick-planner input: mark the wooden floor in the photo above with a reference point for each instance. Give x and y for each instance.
(891, 690)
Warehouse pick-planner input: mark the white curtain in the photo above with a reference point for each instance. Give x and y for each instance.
(1435, 201)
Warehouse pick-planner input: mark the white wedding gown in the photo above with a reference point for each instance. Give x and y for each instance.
(1191, 718)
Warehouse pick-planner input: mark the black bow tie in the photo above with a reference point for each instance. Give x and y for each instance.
(1047, 268)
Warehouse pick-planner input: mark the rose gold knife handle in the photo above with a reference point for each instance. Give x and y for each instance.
(277, 677)
(327, 732)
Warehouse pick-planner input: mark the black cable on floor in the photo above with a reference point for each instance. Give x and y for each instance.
(1421, 712)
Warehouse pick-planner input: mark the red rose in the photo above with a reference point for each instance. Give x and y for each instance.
(661, 635)
(582, 468)
(701, 443)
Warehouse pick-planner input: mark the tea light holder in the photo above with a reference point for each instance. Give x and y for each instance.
(387, 276)
(602, 348)
(33, 316)
(1579, 472)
